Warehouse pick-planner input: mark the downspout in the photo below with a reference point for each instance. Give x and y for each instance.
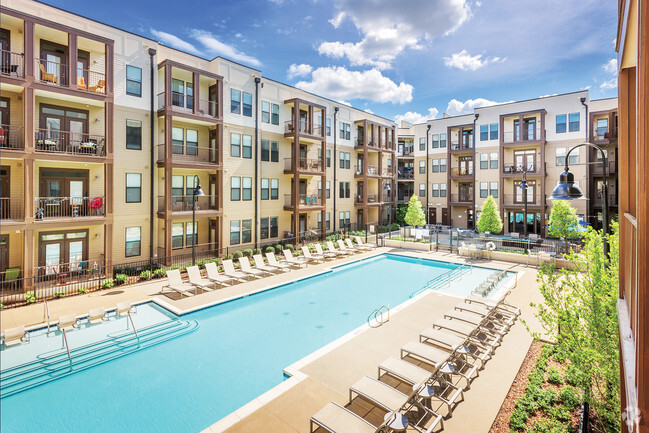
(335, 163)
(152, 53)
(475, 143)
(257, 81)
(426, 168)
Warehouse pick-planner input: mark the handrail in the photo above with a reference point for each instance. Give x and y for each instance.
(444, 279)
(46, 311)
(67, 348)
(134, 330)
(379, 312)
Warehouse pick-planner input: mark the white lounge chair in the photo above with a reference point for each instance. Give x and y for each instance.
(13, 336)
(214, 276)
(294, 261)
(484, 312)
(336, 419)
(332, 249)
(176, 283)
(272, 261)
(97, 315)
(472, 332)
(314, 258)
(196, 280)
(69, 321)
(325, 254)
(500, 303)
(259, 264)
(351, 246)
(246, 268)
(344, 247)
(455, 343)
(123, 308)
(359, 241)
(228, 269)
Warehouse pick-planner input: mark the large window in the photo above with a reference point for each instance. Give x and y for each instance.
(274, 151)
(265, 150)
(345, 159)
(344, 219)
(133, 134)
(246, 231)
(246, 146)
(191, 183)
(235, 232)
(484, 132)
(422, 190)
(435, 165)
(274, 114)
(263, 228)
(493, 189)
(274, 227)
(493, 160)
(435, 190)
(344, 190)
(265, 111)
(484, 161)
(235, 101)
(268, 227)
(133, 187)
(422, 167)
(493, 131)
(435, 141)
(442, 140)
(561, 156)
(133, 241)
(133, 81)
(191, 234)
(573, 124)
(484, 191)
(442, 190)
(274, 189)
(422, 143)
(191, 142)
(235, 145)
(235, 188)
(442, 165)
(345, 130)
(265, 189)
(561, 123)
(177, 140)
(177, 185)
(246, 188)
(177, 235)
(247, 104)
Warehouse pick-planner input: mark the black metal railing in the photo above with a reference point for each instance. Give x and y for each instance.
(12, 64)
(46, 208)
(12, 137)
(12, 208)
(72, 143)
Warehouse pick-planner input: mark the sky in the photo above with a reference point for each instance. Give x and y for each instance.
(400, 59)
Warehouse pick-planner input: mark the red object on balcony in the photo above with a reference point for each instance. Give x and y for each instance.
(96, 203)
(606, 135)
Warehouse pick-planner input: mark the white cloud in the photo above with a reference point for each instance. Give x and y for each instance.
(174, 41)
(389, 27)
(341, 84)
(298, 70)
(455, 107)
(464, 61)
(216, 47)
(611, 66)
(415, 118)
(610, 84)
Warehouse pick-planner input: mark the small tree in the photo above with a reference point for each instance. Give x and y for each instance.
(415, 214)
(490, 220)
(564, 222)
(402, 209)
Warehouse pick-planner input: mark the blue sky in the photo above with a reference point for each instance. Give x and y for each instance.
(412, 59)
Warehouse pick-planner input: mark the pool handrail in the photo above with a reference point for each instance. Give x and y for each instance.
(67, 347)
(134, 330)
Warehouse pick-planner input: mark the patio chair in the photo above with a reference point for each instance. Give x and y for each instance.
(359, 241)
(332, 249)
(213, 274)
(312, 258)
(67, 322)
(46, 76)
(471, 332)
(483, 312)
(81, 83)
(259, 264)
(454, 343)
(336, 419)
(350, 245)
(272, 261)
(176, 283)
(124, 308)
(97, 315)
(425, 352)
(499, 303)
(228, 269)
(344, 247)
(13, 336)
(296, 262)
(196, 280)
(246, 268)
(99, 88)
(325, 254)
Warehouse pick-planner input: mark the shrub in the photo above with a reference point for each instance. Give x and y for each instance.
(145, 275)
(527, 404)
(518, 419)
(120, 279)
(237, 254)
(30, 297)
(59, 294)
(160, 273)
(279, 248)
(568, 396)
(545, 398)
(269, 249)
(201, 263)
(247, 252)
(560, 413)
(554, 376)
(490, 220)
(256, 251)
(290, 247)
(228, 257)
(573, 375)
(107, 283)
(560, 354)
(82, 290)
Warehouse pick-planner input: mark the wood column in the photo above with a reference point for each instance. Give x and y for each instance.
(295, 199)
(30, 53)
(196, 92)
(73, 56)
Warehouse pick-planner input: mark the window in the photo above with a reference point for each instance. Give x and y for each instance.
(133, 241)
(493, 160)
(265, 117)
(191, 234)
(265, 189)
(177, 140)
(235, 101)
(247, 104)
(246, 231)
(484, 192)
(265, 150)
(435, 190)
(422, 190)
(345, 130)
(442, 140)
(235, 145)
(328, 156)
(561, 123)
(177, 92)
(274, 227)
(442, 190)
(345, 159)
(484, 132)
(435, 141)
(442, 165)
(573, 124)
(493, 189)
(328, 188)
(484, 161)
(493, 131)
(341, 159)
(246, 187)
(235, 188)
(344, 190)
(133, 187)
(342, 130)
(344, 219)
(190, 185)
(133, 81)
(274, 151)
(561, 157)
(435, 165)
(274, 189)
(328, 126)
(177, 235)
(134, 134)
(263, 228)
(235, 232)
(422, 167)
(422, 143)
(602, 129)
(268, 227)
(191, 142)
(177, 186)
(274, 119)
(246, 146)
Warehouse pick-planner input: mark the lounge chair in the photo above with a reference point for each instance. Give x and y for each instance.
(176, 283)
(124, 308)
(14, 336)
(296, 262)
(490, 313)
(353, 247)
(454, 343)
(332, 249)
(196, 280)
(500, 303)
(314, 258)
(359, 241)
(259, 264)
(336, 419)
(484, 322)
(246, 268)
(228, 269)
(214, 276)
(97, 315)
(69, 321)
(81, 83)
(472, 332)
(344, 247)
(425, 352)
(46, 76)
(272, 261)
(325, 254)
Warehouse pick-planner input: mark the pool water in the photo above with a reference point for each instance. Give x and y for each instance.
(237, 353)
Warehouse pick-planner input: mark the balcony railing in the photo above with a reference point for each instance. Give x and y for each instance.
(466, 197)
(467, 145)
(51, 72)
(406, 174)
(601, 134)
(304, 165)
(184, 203)
(12, 64)
(457, 171)
(11, 208)
(370, 170)
(387, 172)
(303, 128)
(527, 134)
(519, 200)
(612, 199)
(189, 154)
(12, 137)
(185, 104)
(371, 198)
(513, 168)
(406, 152)
(304, 200)
(598, 170)
(91, 81)
(386, 198)
(73, 143)
(46, 208)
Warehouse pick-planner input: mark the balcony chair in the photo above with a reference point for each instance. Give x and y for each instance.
(99, 88)
(81, 83)
(46, 76)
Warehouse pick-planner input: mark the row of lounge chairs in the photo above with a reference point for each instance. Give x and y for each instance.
(439, 368)
(261, 269)
(491, 282)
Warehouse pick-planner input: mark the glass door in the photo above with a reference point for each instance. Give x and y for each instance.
(76, 128)
(75, 255)
(213, 98)
(53, 256)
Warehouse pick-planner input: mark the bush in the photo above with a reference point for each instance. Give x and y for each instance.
(545, 398)
(269, 249)
(554, 376)
(247, 252)
(279, 248)
(59, 294)
(290, 247)
(237, 254)
(201, 263)
(573, 375)
(145, 275)
(228, 257)
(82, 290)
(518, 420)
(560, 413)
(256, 251)
(107, 283)
(120, 279)
(160, 273)
(568, 396)
(30, 297)
(527, 404)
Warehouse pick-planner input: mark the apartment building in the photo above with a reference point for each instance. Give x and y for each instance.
(106, 135)
(454, 163)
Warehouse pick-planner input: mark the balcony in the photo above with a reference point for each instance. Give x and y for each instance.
(305, 201)
(303, 127)
(305, 165)
(12, 137)
(612, 199)
(406, 173)
(529, 134)
(598, 170)
(12, 208)
(603, 135)
(461, 173)
(517, 169)
(49, 208)
(466, 146)
(91, 81)
(464, 198)
(371, 199)
(184, 203)
(517, 200)
(180, 103)
(187, 154)
(70, 143)
(51, 72)
(370, 170)
(387, 172)
(12, 64)
(406, 152)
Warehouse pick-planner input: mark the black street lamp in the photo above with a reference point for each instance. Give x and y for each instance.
(524, 189)
(566, 190)
(198, 192)
(387, 189)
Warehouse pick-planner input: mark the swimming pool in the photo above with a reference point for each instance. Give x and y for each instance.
(237, 352)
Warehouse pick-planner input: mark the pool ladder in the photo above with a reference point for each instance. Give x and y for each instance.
(377, 316)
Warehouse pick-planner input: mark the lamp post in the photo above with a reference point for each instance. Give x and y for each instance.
(524, 189)
(198, 192)
(566, 190)
(387, 188)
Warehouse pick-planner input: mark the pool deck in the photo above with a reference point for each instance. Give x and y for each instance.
(327, 375)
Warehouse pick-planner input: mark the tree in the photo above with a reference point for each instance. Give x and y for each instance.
(564, 222)
(415, 214)
(579, 314)
(402, 209)
(490, 220)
